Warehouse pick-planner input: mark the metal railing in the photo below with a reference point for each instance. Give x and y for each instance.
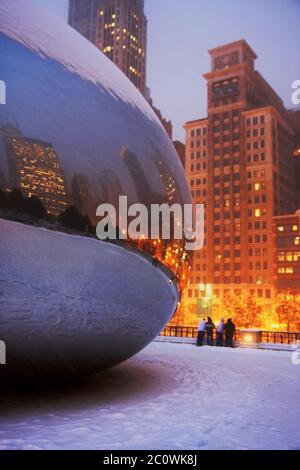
(280, 337)
(276, 337)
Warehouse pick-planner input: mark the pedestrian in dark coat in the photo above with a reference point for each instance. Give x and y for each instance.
(229, 328)
(209, 328)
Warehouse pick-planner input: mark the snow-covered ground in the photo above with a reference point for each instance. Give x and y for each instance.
(170, 396)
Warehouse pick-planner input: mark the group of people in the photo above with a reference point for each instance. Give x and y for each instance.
(224, 331)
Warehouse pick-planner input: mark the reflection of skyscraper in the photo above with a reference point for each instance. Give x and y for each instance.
(117, 28)
(3, 183)
(82, 198)
(111, 187)
(138, 176)
(172, 192)
(35, 169)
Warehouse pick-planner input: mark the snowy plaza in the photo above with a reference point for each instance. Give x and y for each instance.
(170, 396)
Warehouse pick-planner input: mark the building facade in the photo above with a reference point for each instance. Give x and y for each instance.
(240, 164)
(83, 16)
(180, 149)
(117, 28)
(287, 255)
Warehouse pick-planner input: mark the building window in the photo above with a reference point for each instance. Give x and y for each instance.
(257, 212)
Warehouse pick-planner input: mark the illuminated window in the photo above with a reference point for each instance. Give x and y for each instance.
(297, 241)
(289, 270)
(297, 256)
(257, 186)
(295, 228)
(280, 228)
(257, 213)
(281, 256)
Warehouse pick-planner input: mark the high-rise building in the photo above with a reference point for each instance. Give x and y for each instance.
(180, 149)
(165, 122)
(240, 164)
(294, 120)
(83, 16)
(287, 255)
(117, 28)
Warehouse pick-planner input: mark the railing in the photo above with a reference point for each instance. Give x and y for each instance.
(282, 337)
(180, 331)
(277, 337)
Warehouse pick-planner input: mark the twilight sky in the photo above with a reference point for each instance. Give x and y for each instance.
(181, 31)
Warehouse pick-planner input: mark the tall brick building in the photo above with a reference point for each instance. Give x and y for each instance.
(240, 164)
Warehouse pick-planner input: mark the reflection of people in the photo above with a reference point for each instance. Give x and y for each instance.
(229, 328)
(209, 327)
(201, 332)
(220, 330)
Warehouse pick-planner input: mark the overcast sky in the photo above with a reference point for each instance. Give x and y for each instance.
(181, 32)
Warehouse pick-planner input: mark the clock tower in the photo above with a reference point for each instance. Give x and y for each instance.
(232, 76)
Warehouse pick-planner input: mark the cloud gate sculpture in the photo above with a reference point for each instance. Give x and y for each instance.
(75, 133)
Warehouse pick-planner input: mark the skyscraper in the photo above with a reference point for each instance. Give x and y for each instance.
(83, 16)
(240, 164)
(119, 29)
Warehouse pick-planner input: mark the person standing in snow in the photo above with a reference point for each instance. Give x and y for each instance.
(201, 332)
(229, 329)
(220, 331)
(209, 328)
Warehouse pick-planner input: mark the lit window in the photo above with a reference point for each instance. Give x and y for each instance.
(297, 256)
(295, 228)
(257, 212)
(280, 228)
(257, 186)
(297, 241)
(289, 270)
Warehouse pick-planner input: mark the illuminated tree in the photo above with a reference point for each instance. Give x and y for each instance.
(287, 308)
(244, 309)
